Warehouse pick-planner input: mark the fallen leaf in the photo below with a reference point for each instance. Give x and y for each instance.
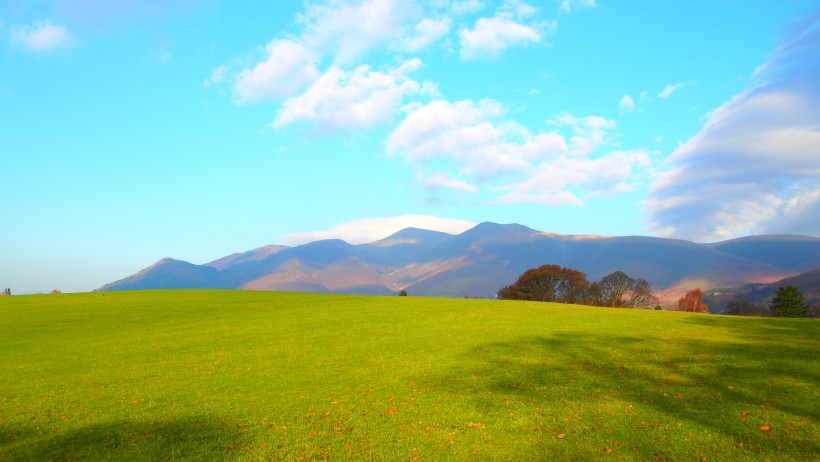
(562, 436)
(764, 428)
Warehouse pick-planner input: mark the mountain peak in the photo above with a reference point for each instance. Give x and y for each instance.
(415, 232)
(489, 228)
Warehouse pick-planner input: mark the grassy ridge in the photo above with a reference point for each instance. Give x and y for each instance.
(234, 375)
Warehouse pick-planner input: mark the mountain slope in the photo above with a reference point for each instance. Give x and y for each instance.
(794, 253)
(481, 260)
(173, 274)
(761, 294)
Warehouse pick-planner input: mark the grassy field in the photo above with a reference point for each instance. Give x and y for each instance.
(236, 375)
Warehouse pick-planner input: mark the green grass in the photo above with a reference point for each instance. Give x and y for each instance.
(235, 375)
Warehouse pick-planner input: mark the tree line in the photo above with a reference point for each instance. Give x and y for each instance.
(553, 283)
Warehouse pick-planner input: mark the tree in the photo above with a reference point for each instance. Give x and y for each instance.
(552, 283)
(402, 293)
(641, 295)
(619, 290)
(693, 302)
(788, 303)
(547, 283)
(614, 287)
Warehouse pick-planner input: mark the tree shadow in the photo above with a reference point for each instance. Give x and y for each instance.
(156, 440)
(764, 375)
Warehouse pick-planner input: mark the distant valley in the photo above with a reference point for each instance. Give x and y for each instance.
(482, 260)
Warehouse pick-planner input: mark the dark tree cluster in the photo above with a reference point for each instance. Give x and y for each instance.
(741, 306)
(553, 283)
(789, 303)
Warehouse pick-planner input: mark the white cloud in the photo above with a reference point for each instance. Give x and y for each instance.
(588, 132)
(40, 36)
(219, 75)
(470, 148)
(551, 182)
(568, 6)
(755, 165)
(669, 89)
(289, 67)
(627, 104)
(355, 99)
(518, 8)
(425, 33)
(347, 31)
(459, 131)
(490, 36)
(444, 181)
(334, 36)
(466, 6)
(372, 229)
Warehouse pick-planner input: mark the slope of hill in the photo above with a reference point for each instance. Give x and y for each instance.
(785, 251)
(195, 375)
(172, 274)
(252, 255)
(761, 294)
(481, 260)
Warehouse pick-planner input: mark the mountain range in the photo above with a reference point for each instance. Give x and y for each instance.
(482, 260)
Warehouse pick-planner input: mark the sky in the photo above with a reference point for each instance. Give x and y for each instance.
(136, 130)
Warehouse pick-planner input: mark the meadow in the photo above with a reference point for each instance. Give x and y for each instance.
(240, 375)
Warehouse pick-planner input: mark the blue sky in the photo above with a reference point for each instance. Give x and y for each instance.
(136, 130)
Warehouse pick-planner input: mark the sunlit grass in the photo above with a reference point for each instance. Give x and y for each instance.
(205, 375)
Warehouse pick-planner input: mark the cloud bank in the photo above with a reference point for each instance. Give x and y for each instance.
(336, 37)
(468, 146)
(754, 168)
(367, 230)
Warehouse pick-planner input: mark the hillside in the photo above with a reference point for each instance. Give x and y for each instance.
(481, 260)
(761, 294)
(201, 375)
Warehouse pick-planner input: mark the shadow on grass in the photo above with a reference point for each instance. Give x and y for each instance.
(724, 386)
(179, 439)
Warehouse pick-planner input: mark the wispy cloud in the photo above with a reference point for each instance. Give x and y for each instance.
(218, 76)
(366, 230)
(755, 165)
(441, 180)
(347, 31)
(509, 27)
(568, 6)
(672, 88)
(40, 36)
(627, 104)
(425, 33)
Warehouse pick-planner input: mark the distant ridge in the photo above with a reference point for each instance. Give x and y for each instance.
(807, 282)
(482, 260)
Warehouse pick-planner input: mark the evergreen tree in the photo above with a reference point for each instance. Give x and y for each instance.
(788, 303)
